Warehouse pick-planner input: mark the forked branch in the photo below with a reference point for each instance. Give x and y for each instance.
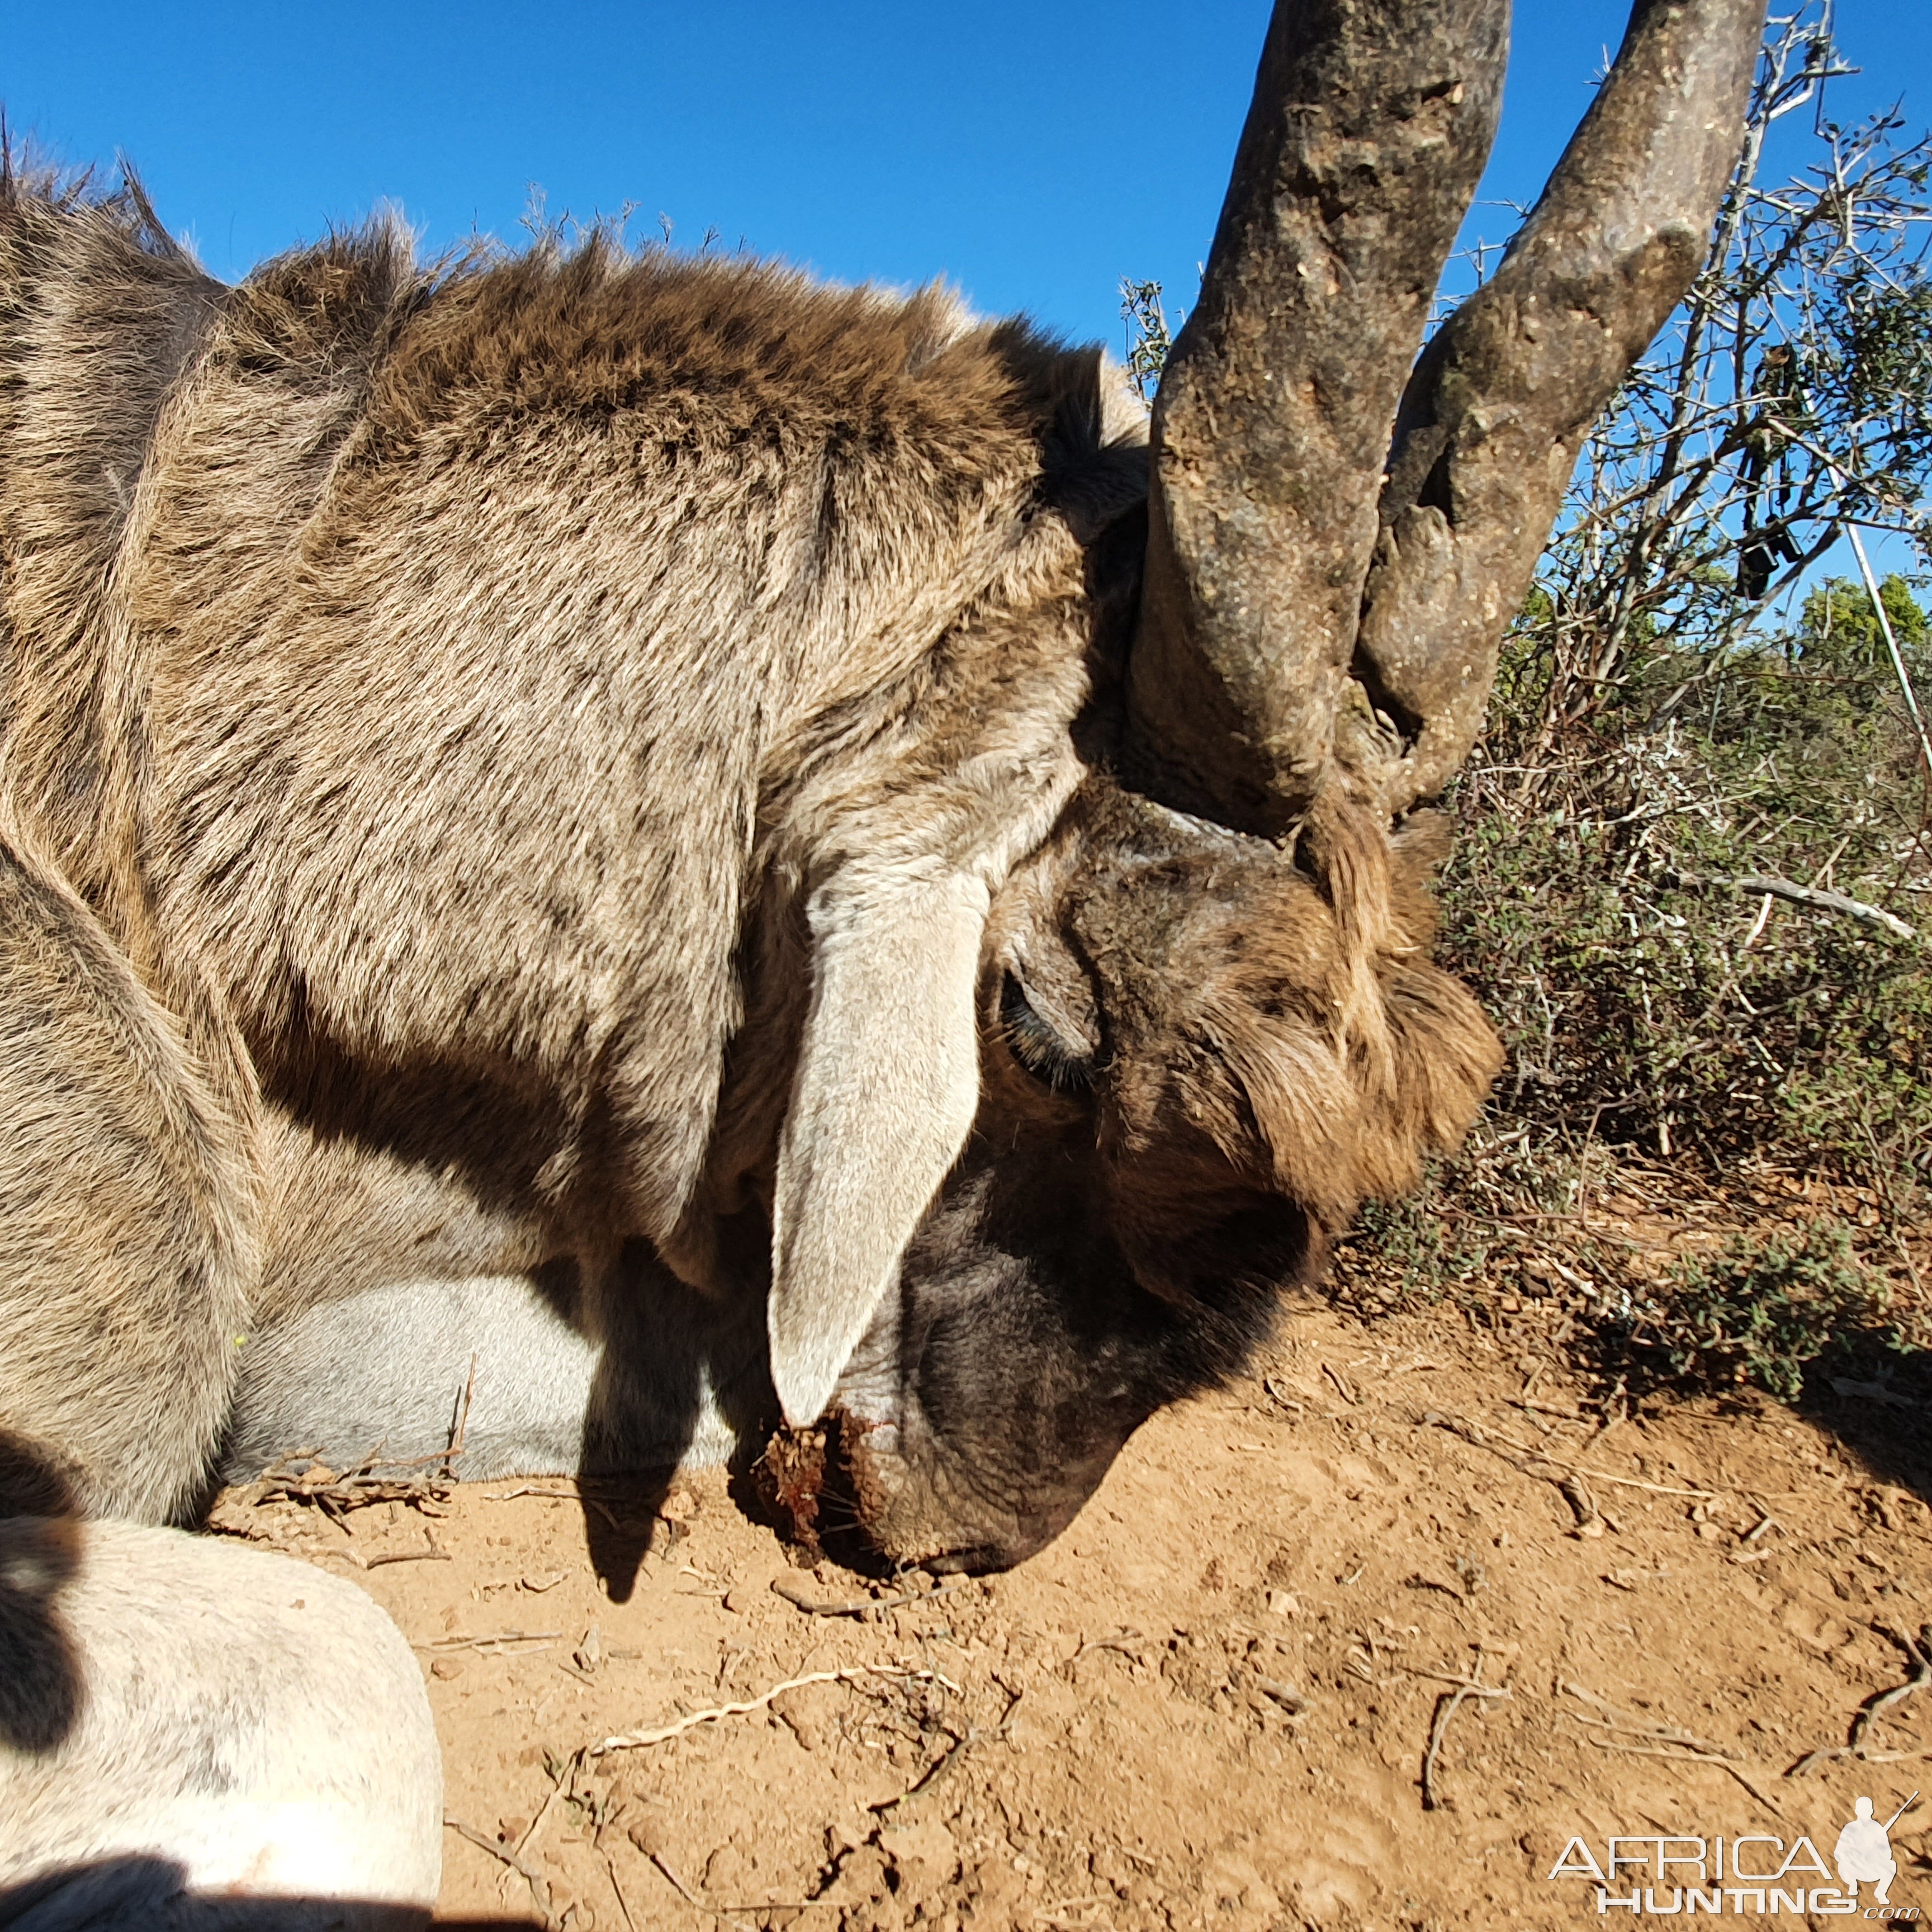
(1323, 602)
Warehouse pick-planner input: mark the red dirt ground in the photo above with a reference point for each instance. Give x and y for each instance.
(1210, 1703)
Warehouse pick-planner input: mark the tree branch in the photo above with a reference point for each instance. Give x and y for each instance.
(1503, 398)
(1370, 123)
(1813, 896)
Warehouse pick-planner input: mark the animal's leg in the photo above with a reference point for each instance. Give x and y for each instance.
(663, 1376)
(125, 1202)
(387, 1370)
(186, 1719)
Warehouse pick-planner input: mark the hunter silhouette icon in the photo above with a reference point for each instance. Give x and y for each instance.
(1864, 1851)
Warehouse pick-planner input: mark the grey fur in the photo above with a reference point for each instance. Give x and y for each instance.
(231, 1722)
(386, 1372)
(454, 762)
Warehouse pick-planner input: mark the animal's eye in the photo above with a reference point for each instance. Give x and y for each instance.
(1038, 1047)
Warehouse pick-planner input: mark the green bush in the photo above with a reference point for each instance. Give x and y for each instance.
(1761, 1310)
(1647, 1004)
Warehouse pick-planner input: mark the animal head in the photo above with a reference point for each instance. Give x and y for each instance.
(1206, 1023)
(1190, 1074)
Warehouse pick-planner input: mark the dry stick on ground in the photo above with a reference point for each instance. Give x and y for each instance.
(935, 1771)
(1347, 1393)
(635, 1740)
(1920, 1655)
(1663, 1741)
(1128, 1643)
(431, 1554)
(414, 1479)
(1589, 1518)
(974, 1735)
(1510, 1450)
(491, 1643)
(576, 1495)
(1446, 1708)
(856, 1607)
(539, 1885)
(617, 1892)
(671, 1877)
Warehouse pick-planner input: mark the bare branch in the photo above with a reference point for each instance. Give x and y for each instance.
(1369, 125)
(1501, 403)
(1813, 896)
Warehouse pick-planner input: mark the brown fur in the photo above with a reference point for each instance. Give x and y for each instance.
(416, 672)
(525, 749)
(1241, 1054)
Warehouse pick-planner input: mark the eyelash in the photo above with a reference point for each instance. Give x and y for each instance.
(1037, 1046)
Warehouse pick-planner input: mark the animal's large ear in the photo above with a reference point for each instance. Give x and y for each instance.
(887, 1084)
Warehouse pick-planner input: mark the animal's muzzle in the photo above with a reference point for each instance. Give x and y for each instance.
(844, 1489)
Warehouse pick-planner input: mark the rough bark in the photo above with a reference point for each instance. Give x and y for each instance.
(1370, 124)
(1321, 606)
(1499, 406)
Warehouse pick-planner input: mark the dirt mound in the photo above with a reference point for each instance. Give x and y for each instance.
(1365, 1641)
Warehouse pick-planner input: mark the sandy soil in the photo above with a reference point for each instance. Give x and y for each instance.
(1210, 1703)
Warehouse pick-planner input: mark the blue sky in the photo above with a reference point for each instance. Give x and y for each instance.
(1034, 154)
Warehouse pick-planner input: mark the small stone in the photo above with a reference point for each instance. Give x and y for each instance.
(729, 1871)
(1281, 1604)
(510, 1830)
(680, 1506)
(738, 1599)
(446, 1668)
